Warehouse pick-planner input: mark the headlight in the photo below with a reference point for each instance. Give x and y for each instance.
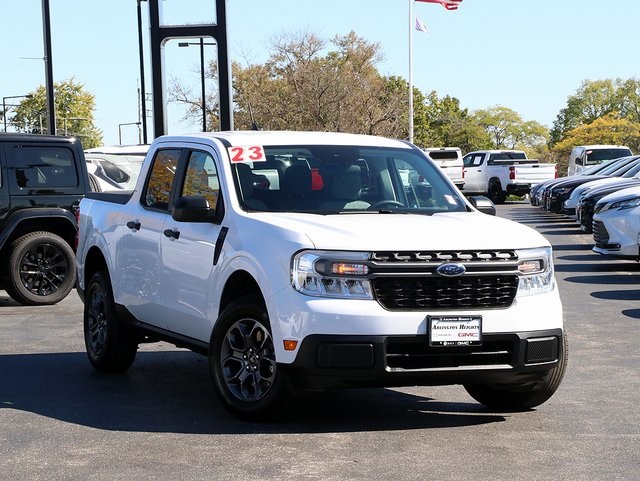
(536, 271)
(334, 274)
(621, 204)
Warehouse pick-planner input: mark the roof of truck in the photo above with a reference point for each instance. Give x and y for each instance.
(267, 137)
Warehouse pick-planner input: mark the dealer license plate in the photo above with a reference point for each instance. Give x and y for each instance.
(455, 330)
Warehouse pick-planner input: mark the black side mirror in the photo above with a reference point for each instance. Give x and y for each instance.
(483, 204)
(193, 208)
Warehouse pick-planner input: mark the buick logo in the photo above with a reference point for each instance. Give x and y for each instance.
(451, 270)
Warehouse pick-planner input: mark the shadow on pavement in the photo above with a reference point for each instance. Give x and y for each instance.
(170, 391)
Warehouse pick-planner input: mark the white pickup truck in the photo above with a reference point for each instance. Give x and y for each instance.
(300, 261)
(499, 173)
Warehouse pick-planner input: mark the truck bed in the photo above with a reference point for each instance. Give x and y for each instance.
(116, 197)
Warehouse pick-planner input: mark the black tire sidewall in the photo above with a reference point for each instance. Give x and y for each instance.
(19, 248)
(120, 346)
(245, 307)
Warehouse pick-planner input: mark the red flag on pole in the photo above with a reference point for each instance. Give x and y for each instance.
(448, 4)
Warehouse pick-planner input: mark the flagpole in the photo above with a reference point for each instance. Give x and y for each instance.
(410, 71)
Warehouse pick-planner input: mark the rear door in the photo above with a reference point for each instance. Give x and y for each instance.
(139, 253)
(4, 187)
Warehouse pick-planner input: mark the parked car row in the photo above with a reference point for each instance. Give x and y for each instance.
(604, 200)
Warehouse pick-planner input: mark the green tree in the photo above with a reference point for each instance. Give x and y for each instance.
(508, 130)
(446, 124)
(74, 108)
(594, 99)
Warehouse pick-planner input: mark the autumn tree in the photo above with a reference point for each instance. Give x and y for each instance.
(595, 99)
(608, 129)
(74, 108)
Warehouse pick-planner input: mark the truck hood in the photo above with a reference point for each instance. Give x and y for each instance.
(375, 231)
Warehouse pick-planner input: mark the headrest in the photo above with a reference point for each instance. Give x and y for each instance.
(346, 183)
(297, 179)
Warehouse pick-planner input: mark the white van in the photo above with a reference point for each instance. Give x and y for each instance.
(449, 159)
(584, 156)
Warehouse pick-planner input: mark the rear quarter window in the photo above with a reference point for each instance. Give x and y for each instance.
(44, 167)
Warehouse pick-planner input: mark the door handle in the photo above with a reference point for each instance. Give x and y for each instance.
(133, 225)
(172, 233)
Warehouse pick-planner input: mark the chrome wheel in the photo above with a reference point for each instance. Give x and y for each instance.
(248, 360)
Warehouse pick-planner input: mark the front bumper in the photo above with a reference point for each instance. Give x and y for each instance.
(326, 361)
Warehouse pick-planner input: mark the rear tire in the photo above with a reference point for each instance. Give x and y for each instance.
(111, 347)
(242, 361)
(521, 397)
(41, 269)
(495, 192)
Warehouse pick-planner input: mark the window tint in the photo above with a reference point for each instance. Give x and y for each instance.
(161, 178)
(201, 177)
(598, 155)
(44, 167)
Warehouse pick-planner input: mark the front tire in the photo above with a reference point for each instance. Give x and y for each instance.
(242, 361)
(41, 269)
(111, 347)
(521, 397)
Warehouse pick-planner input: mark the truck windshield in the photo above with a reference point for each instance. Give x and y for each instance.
(325, 179)
(595, 156)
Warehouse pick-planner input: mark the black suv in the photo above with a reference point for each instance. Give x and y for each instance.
(42, 179)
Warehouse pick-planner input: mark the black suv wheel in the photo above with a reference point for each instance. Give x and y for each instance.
(41, 269)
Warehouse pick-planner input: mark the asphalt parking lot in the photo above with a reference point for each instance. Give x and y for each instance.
(63, 421)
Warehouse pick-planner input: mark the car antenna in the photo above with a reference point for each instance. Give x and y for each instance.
(254, 124)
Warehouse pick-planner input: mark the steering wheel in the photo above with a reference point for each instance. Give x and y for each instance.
(381, 203)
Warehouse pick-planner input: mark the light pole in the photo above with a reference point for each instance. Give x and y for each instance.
(204, 105)
(4, 106)
(120, 130)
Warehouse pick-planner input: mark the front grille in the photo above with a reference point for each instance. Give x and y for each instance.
(600, 234)
(408, 354)
(430, 292)
(407, 280)
(444, 256)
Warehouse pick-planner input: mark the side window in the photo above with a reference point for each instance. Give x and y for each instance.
(473, 160)
(201, 177)
(163, 171)
(44, 167)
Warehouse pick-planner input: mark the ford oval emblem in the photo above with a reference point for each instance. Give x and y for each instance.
(451, 270)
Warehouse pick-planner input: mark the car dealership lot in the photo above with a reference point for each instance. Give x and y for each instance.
(62, 420)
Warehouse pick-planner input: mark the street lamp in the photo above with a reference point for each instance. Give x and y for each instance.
(120, 130)
(4, 106)
(204, 109)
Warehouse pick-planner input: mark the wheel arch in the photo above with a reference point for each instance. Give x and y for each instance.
(240, 283)
(60, 224)
(94, 262)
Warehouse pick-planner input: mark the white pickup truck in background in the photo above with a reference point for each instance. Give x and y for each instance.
(449, 159)
(499, 173)
(303, 261)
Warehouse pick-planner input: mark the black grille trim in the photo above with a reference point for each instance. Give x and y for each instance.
(464, 292)
(407, 280)
(600, 234)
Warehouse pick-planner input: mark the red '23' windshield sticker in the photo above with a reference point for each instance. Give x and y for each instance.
(247, 153)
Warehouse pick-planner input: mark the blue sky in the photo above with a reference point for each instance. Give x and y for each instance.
(528, 55)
